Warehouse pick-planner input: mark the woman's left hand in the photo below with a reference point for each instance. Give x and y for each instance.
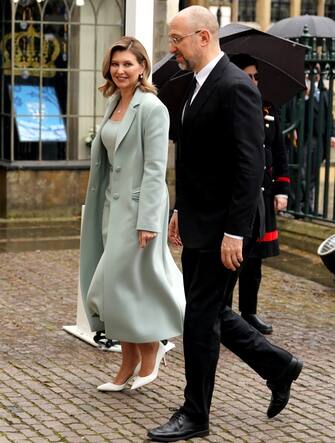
(144, 237)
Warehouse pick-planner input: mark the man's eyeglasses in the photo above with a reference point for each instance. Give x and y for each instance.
(176, 39)
(254, 76)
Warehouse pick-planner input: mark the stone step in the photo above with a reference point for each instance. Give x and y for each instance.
(299, 241)
(39, 234)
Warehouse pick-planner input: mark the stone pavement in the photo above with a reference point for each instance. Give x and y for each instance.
(48, 378)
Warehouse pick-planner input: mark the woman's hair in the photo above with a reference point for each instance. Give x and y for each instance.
(243, 60)
(135, 47)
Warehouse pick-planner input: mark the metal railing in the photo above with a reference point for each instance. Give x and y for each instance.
(308, 128)
(42, 45)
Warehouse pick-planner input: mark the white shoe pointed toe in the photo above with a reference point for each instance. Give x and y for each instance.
(142, 381)
(113, 387)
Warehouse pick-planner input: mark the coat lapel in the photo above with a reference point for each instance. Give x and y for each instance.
(110, 108)
(96, 151)
(128, 117)
(206, 89)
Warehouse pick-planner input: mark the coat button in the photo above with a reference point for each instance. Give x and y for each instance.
(118, 169)
(267, 125)
(97, 163)
(116, 196)
(262, 189)
(263, 146)
(264, 167)
(93, 189)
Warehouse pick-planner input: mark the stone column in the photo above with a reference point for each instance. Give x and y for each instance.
(263, 14)
(321, 7)
(295, 8)
(139, 22)
(234, 11)
(198, 2)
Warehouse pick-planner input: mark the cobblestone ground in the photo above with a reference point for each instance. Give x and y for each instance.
(48, 378)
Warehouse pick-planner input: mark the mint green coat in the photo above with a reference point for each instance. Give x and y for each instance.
(134, 294)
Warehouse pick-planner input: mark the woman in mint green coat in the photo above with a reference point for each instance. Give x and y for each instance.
(131, 286)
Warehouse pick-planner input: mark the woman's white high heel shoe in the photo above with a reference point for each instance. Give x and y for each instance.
(113, 387)
(142, 381)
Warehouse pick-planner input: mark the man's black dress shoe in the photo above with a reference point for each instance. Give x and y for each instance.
(257, 323)
(179, 427)
(281, 387)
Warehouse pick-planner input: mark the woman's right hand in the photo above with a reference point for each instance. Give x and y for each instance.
(145, 237)
(174, 230)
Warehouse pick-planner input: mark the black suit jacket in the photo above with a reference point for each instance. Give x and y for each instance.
(220, 159)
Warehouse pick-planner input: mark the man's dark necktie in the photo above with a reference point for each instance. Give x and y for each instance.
(190, 95)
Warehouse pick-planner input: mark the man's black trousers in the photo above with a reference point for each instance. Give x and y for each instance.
(209, 321)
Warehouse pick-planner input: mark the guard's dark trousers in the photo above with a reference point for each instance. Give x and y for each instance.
(249, 282)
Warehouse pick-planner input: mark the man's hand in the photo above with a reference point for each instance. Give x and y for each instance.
(144, 237)
(174, 230)
(280, 203)
(231, 252)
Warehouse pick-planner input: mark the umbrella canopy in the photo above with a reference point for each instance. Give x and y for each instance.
(280, 65)
(293, 27)
(280, 61)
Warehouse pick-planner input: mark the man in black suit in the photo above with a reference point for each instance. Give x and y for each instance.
(219, 172)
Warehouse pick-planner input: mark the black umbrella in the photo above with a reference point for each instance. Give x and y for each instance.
(280, 64)
(293, 27)
(280, 61)
(171, 93)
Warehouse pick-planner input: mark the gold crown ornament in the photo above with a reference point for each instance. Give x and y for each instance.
(28, 56)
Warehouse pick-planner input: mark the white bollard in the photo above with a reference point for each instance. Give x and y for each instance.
(82, 328)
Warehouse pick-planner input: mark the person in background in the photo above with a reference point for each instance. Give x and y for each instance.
(219, 174)
(315, 137)
(275, 188)
(131, 286)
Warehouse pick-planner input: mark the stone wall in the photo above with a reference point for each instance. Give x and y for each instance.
(52, 189)
(46, 191)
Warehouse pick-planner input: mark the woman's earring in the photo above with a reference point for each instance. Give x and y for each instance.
(140, 77)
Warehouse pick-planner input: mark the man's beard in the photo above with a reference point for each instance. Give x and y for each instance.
(185, 65)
